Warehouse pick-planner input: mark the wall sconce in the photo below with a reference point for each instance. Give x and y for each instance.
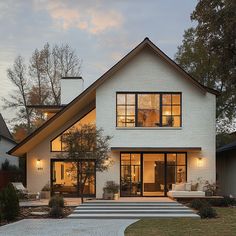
(39, 164)
(199, 162)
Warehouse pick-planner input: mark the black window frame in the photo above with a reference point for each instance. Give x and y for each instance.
(161, 109)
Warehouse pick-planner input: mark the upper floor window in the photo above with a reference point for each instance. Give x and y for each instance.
(148, 109)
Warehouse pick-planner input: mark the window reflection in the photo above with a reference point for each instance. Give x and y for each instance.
(148, 110)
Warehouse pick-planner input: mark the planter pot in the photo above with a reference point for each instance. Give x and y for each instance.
(108, 196)
(208, 193)
(45, 194)
(116, 196)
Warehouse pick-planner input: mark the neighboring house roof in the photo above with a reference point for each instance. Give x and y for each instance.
(4, 131)
(227, 147)
(88, 96)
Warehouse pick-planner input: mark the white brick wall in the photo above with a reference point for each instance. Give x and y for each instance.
(149, 73)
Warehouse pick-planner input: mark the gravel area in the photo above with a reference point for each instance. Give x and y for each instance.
(65, 227)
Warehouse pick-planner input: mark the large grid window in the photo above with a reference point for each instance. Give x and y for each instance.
(126, 110)
(148, 110)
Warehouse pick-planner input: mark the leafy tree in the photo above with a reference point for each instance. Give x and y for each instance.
(224, 138)
(208, 53)
(83, 144)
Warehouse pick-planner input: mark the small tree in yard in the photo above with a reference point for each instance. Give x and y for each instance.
(84, 144)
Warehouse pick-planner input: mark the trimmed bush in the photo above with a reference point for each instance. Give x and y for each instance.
(222, 202)
(207, 212)
(197, 204)
(56, 201)
(9, 203)
(56, 212)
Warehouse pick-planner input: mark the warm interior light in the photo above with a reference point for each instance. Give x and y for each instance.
(199, 162)
(39, 164)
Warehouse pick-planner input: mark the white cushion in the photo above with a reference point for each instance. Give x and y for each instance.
(186, 194)
(187, 186)
(180, 187)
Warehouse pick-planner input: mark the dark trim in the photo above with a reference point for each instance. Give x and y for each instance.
(46, 106)
(155, 149)
(78, 162)
(67, 129)
(165, 168)
(136, 93)
(70, 77)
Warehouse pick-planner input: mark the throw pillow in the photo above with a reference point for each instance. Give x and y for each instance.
(188, 186)
(194, 187)
(180, 187)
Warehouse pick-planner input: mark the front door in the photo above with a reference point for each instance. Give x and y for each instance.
(153, 174)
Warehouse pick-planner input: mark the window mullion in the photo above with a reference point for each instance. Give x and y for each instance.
(160, 109)
(136, 109)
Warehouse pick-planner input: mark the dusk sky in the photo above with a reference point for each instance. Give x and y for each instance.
(101, 31)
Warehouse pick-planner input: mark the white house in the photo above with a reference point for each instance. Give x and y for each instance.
(6, 143)
(161, 119)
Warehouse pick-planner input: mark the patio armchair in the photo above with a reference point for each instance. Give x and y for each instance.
(23, 192)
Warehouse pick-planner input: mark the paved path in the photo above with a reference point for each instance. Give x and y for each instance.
(66, 227)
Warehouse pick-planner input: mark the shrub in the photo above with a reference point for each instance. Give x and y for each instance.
(197, 204)
(222, 202)
(10, 203)
(207, 212)
(56, 212)
(56, 201)
(111, 187)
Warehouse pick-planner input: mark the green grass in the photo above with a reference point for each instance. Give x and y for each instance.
(224, 225)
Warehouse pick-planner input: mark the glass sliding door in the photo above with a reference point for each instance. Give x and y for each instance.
(176, 169)
(153, 174)
(130, 175)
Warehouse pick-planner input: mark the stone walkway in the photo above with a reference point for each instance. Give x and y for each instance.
(66, 227)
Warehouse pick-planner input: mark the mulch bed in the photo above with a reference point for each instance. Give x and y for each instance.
(26, 213)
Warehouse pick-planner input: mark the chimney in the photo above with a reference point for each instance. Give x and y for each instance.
(71, 87)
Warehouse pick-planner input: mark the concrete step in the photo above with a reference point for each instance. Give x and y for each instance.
(130, 204)
(131, 207)
(80, 211)
(131, 216)
(131, 210)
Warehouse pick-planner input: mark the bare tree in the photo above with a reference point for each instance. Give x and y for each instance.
(19, 99)
(83, 145)
(60, 61)
(38, 83)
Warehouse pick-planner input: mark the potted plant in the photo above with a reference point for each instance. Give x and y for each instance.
(111, 191)
(46, 191)
(210, 189)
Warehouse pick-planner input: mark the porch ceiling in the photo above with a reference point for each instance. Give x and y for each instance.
(157, 149)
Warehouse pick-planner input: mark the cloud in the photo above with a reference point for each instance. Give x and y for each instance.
(93, 18)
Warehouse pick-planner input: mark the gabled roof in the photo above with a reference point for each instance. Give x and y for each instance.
(4, 131)
(88, 95)
(227, 147)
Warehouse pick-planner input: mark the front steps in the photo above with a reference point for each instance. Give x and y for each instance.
(130, 210)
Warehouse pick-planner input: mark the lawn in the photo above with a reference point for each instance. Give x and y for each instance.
(224, 225)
